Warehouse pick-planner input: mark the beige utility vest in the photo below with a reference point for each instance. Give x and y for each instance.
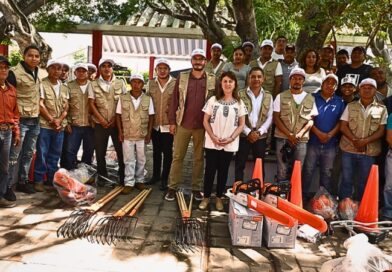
(363, 126)
(78, 114)
(134, 121)
(263, 114)
(27, 92)
(183, 89)
(294, 116)
(106, 102)
(55, 105)
(210, 69)
(161, 101)
(269, 75)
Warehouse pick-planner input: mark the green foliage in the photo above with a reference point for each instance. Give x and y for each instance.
(60, 15)
(79, 56)
(15, 57)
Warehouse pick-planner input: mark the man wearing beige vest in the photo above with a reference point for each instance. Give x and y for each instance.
(103, 95)
(362, 125)
(215, 65)
(271, 68)
(161, 89)
(193, 88)
(257, 122)
(79, 129)
(293, 115)
(135, 115)
(53, 112)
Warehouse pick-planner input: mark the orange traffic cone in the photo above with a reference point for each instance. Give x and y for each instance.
(368, 209)
(296, 185)
(258, 171)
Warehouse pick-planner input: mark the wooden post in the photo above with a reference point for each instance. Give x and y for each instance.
(4, 50)
(151, 69)
(97, 46)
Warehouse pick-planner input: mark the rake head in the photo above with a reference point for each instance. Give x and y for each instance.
(76, 225)
(189, 233)
(109, 230)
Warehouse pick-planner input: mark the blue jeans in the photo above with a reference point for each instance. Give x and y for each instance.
(285, 168)
(354, 163)
(49, 147)
(387, 209)
(72, 144)
(324, 156)
(5, 145)
(23, 153)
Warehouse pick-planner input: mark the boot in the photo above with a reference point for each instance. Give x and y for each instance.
(163, 186)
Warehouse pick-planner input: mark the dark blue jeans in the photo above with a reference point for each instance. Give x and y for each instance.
(5, 146)
(49, 147)
(72, 144)
(29, 130)
(354, 163)
(324, 156)
(387, 209)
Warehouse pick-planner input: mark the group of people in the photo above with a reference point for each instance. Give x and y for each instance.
(326, 116)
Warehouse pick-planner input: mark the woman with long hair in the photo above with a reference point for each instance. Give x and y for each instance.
(314, 74)
(238, 67)
(224, 120)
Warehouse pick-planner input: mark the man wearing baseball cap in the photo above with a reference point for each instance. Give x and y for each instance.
(327, 57)
(280, 45)
(79, 130)
(357, 69)
(53, 113)
(103, 95)
(323, 140)
(272, 68)
(9, 126)
(362, 125)
(193, 88)
(288, 63)
(348, 88)
(161, 89)
(134, 117)
(216, 64)
(293, 115)
(92, 71)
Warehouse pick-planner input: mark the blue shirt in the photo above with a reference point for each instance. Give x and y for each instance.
(329, 115)
(389, 122)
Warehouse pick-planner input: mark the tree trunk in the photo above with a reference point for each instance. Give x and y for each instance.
(246, 21)
(25, 33)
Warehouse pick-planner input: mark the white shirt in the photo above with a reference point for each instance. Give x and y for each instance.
(278, 70)
(136, 104)
(277, 56)
(83, 88)
(298, 98)
(254, 114)
(56, 89)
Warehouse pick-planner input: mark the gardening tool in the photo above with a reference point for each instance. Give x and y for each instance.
(79, 221)
(120, 226)
(189, 231)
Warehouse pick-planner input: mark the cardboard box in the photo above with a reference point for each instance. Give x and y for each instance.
(245, 225)
(276, 235)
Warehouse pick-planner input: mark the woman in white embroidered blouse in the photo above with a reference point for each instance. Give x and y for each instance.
(224, 120)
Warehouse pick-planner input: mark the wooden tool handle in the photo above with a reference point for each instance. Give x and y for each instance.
(106, 199)
(134, 210)
(127, 207)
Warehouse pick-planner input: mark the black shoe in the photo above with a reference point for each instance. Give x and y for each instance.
(10, 195)
(152, 181)
(163, 186)
(26, 188)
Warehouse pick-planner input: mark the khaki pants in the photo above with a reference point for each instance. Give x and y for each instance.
(181, 142)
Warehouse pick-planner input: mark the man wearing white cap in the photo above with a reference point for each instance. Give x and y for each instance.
(272, 68)
(362, 125)
(53, 112)
(79, 129)
(193, 88)
(92, 71)
(103, 95)
(64, 73)
(323, 140)
(135, 116)
(293, 115)
(161, 89)
(216, 64)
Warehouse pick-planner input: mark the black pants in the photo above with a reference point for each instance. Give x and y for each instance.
(162, 143)
(258, 150)
(216, 161)
(101, 137)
